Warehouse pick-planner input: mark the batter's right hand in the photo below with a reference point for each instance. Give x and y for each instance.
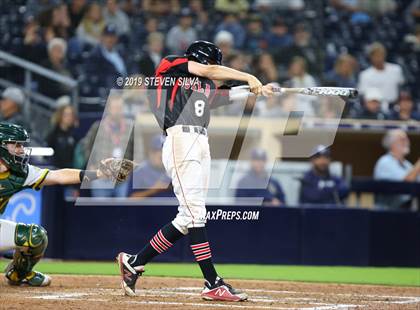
(255, 85)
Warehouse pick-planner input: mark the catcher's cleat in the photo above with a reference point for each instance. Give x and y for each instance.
(222, 291)
(129, 274)
(33, 278)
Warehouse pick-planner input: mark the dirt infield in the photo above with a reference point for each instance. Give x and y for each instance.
(103, 292)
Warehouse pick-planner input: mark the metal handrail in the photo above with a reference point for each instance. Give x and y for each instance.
(30, 66)
(32, 94)
(29, 69)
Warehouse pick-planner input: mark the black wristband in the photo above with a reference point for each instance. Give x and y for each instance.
(87, 175)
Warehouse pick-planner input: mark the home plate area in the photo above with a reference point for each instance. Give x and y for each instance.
(102, 292)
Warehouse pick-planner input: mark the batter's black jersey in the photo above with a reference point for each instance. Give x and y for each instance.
(180, 98)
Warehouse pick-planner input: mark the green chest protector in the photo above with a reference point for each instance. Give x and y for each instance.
(10, 184)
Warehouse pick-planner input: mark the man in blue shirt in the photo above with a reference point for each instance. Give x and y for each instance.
(105, 63)
(393, 166)
(258, 183)
(150, 178)
(318, 185)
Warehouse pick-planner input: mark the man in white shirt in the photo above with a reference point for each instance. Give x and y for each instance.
(384, 76)
(394, 167)
(300, 78)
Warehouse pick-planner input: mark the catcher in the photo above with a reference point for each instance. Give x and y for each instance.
(30, 241)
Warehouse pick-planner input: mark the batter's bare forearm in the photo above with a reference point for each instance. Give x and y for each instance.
(221, 73)
(218, 73)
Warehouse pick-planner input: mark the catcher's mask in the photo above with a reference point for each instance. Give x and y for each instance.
(13, 147)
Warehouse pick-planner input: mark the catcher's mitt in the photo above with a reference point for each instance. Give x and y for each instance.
(117, 170)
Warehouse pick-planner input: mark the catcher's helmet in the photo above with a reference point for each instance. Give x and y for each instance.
(11, 133)
(204, 52)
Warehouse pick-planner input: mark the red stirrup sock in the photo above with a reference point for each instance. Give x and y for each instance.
(160, 243)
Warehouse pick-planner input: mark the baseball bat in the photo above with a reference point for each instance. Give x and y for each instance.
(312, 91)
(319, 91)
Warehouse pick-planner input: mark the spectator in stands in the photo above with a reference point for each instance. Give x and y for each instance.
(265, 68)
(150, 178)
(34, 46)
(403, 111)
(57, 48)
(343, 74)
(153, 54)
(111, 137)
(56, 22)
(151, 24)
(105, 62)
(282, 5)
(298, 77)
(231, 24)
(115, 16)
(182, 35)
(256, 38)
(359, 9)
(11, 106)
(415, 10)
(378, 7)
(204, 26)
(345, 5)
(76, 9)
(61, 136)
(174, 8)
(224, 40)
(279, 36)
(371, 108)
(259, 183)
(158, 8)
(92, 25)
(412, 40)
(196, 6)
(38, 7)
(394, 167)
(231, 6)
(238, 61)
(318, 185)
(130, 7)
(298, 74)
(302, 46)
(385, 76)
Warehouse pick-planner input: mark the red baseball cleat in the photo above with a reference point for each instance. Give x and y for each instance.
(222, 291)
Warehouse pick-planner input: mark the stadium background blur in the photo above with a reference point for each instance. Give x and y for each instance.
(294, 43)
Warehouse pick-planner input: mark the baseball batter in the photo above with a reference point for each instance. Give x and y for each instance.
(29, 241)
(183, 112)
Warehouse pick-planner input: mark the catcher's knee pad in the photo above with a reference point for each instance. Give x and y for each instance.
(33, 237)
(32, 241)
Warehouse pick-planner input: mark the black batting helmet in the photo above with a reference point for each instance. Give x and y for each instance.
(204, 52)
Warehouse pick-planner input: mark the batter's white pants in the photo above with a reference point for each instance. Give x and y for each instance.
(186, 157)
(7, 235)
